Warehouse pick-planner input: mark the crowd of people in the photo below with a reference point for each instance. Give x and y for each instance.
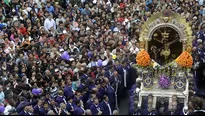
(74, 57)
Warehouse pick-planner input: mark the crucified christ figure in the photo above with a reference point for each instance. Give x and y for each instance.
(166, 50)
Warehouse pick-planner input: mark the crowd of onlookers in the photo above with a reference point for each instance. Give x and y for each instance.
(74, 57)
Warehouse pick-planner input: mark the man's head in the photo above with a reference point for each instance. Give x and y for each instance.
(46, 106)
(69, 99)
(88, 112)
(174, 105)
(115, 73)
(78, 103)
(50, 17)
(52, 102)
(62, 106)
(115, 112)
(106, 98)
(96, 101)
(51, 112)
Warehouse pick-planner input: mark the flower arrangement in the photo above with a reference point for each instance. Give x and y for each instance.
(143, 59)
(164, 82)
(185, 60)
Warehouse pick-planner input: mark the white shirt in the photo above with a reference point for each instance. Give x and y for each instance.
(82, 1)
(49, 23)
(59, 19)
(201, 2)
(134, 50)
(94, 1)
(39, 2)
(7, 109)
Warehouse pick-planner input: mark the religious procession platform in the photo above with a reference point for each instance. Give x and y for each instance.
(164, 59)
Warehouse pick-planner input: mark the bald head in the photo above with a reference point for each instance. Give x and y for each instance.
(88, 112)
(50, 112)
(115, 112)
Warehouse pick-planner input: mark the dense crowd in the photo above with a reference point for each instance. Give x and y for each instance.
(74, 57)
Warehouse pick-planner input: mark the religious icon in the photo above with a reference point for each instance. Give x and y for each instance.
(164, 44)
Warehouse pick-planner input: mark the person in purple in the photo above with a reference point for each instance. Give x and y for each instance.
(79, 110)
(95, 107)
(105, 106)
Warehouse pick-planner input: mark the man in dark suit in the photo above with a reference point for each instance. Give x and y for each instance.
(77, 97)
(82, 85)
(116, 82)
(70, 105)
(102, 90)
(198, 70)
(109, 72)
(149, 110)
(22, 104)
(24, 112)
(132, 76)
(176, 110)
(38, 106)
(64, 111)
(44, 110)
(54, 106)
(60, 98)
(79, 110)
(126, 74)
(84, 76)
(111, 95)
(90, 101)
(95, 108)
(105, 106)
(35, 8)
(68, 90)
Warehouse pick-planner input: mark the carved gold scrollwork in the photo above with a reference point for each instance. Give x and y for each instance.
(173, 20)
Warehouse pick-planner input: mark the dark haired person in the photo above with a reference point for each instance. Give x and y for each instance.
(79, 110)
(196, 106)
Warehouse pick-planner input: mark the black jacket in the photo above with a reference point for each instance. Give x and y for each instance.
(198, 112)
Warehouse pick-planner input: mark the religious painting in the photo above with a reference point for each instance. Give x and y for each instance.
(165, 45)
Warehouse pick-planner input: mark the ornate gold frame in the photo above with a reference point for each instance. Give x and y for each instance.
(170, 19)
